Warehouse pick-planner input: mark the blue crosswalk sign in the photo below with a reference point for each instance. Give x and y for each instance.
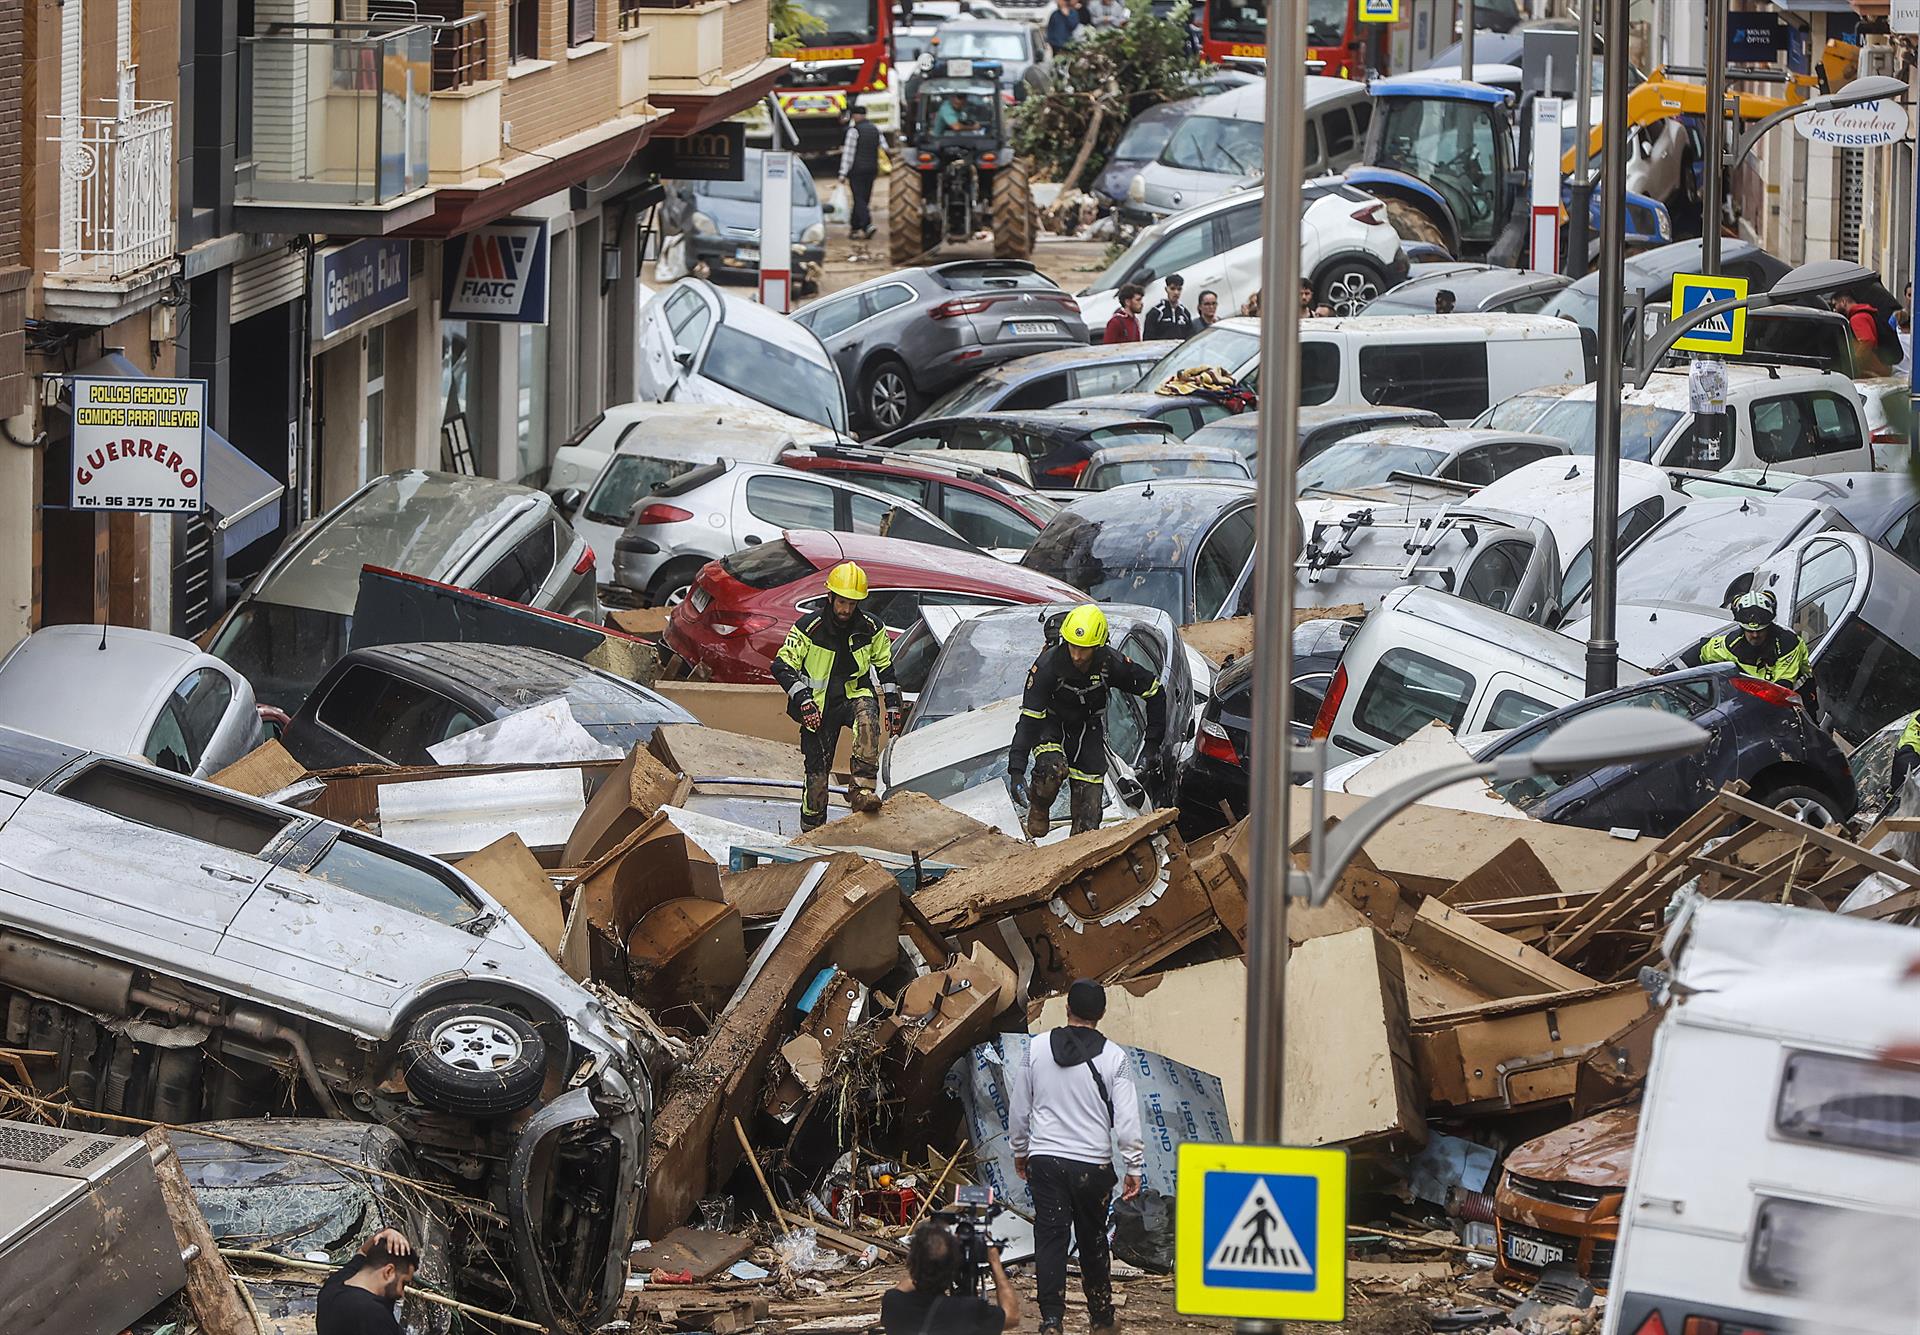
(1261, 1232)
(1725, 333)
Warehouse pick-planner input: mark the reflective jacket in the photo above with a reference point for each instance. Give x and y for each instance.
(1906, 754)
(832, 662)
(1780, 657)
(1059, 697)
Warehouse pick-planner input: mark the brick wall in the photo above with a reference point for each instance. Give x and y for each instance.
(562, 94)
(13, 272)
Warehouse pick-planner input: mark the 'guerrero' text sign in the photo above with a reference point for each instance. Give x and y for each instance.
(138, 444)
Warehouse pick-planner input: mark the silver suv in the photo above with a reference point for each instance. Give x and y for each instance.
(184, 953)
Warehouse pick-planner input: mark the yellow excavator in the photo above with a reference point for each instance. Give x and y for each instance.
(1663, 96)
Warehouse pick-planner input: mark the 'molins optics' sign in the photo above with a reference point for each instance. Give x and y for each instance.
(138, 444)
(497, 274)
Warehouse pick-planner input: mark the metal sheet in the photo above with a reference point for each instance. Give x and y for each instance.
(449, 816)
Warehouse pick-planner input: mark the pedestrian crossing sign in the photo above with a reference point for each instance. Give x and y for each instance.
(1261, 1232)
(1379, 11)
(1725, 333)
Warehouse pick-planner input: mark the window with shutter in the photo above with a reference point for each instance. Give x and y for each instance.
(580, 21)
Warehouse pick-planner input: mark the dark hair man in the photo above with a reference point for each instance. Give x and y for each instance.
(1065, 1120)
(1169, 319)
(1443, 301)
(1123, 326)
(358, 1298)
(859, 167)
(924, 1302)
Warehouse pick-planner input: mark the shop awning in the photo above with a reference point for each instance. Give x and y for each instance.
(241, 498)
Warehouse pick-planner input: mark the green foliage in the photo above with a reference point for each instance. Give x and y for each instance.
(791, 24)
(1125, 70)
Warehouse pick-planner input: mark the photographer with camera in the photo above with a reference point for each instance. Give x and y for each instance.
(924, 1303)
(1071, 1100)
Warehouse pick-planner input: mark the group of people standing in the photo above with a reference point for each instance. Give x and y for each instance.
(1168, 319)
(1069, 16)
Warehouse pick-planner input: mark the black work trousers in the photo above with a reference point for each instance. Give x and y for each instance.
(1070, 1197)
(860, 185)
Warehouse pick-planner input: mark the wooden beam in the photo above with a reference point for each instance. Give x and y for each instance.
(1832, 843)
(1496, 964)
(210, 1292)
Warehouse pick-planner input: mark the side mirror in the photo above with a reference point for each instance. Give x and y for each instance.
(683, 357)
(568, 501)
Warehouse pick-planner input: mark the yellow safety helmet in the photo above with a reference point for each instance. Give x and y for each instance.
(1085, 627)
(850, 581)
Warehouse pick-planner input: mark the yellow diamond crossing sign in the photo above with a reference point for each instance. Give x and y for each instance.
(1725, 333)
(1261, 1232)
(1379, 11)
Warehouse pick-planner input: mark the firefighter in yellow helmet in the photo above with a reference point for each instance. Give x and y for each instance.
(1062, 723)
(835, 666)
(1761, 648)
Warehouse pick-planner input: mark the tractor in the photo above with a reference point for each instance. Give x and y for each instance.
(955, 173)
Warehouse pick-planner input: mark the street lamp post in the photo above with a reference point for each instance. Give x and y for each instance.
(1715, 165)
(1580, 189)
(1603, 650)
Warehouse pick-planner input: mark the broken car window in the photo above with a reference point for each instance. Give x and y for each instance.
(1408, 691)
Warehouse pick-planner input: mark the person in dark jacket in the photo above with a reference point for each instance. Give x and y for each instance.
(358, 1298)
(1063, 727)
(1762, 649)
(859, 167)
(831, 665)
(1123, 326)
(924, 1303)
(1169, 319)
(1062, 24)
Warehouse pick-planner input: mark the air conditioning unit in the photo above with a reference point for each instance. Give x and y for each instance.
(85, 1242)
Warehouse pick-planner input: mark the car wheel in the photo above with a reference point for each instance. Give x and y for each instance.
(1348, 285)
(672, 585)
(886, 395)
(473, 1060)
(1809, 806)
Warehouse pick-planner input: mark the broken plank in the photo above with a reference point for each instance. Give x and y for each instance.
(1496, 964)
(701, 1252)
(215, 1302)
(1832, 843)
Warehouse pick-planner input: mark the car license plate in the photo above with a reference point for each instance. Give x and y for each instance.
(1527, 1251)
(1035, 327)
(751, 254)
(700, 600)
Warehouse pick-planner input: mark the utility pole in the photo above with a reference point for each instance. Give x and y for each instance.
(1466, 41)
(1580, 194)
(1715, 183)
(1279, 435)
(1603, 646)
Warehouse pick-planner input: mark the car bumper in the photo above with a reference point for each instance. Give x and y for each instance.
(938, 374)
(733, 255)
(636, 562)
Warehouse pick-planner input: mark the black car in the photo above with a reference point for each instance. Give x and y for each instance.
(1056, 443)
(908, 336)
(1183, 547)
(1217, 774)
(387, 704)
(1047, 379)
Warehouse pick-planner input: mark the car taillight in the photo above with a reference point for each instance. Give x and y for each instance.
(1770, 691)
(1653, 1325)
(662, 514)
(1068, 302)
(947, 310)
(1887, 435)
(1330, 707)
(1069, 472)
(1215, 744)
(585, 563)
(745, 625)
(1371, 215)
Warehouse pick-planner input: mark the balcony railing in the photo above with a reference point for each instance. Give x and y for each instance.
(116, 190)
(335, 113)
(459, 52)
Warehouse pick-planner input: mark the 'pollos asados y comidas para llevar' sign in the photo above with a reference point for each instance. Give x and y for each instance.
(138, 444)
(497, 273)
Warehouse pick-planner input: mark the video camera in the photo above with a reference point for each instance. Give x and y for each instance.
(970, 1216)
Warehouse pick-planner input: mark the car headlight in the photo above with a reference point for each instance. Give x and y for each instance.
(1137, 189)
(814, 235)
(702, 225)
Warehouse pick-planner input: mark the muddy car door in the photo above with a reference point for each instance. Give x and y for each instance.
(351, 925)
(127, 855)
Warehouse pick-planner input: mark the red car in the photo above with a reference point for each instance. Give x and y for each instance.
(986, 509)
(742, 606)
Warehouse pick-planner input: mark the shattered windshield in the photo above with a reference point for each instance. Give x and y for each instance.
(983, 661)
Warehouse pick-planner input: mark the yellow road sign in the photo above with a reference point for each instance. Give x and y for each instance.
(1261, 1232)
(1379, 11)
(1725, 333)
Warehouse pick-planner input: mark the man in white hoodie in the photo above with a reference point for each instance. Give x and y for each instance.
(1072, 1100)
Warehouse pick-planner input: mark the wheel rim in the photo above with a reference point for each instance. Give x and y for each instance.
(677, 595)
(888, 399)
(1348, 292)
(474, 1043)
(1806, 810)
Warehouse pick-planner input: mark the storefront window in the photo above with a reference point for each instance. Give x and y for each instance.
(532, 436)
(453, 369)
(373, 432)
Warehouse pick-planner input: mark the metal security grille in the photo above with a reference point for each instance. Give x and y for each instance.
(1853, 189)
(24, 1145)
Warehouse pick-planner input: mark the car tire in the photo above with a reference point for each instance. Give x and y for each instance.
(1810, 806)
(1348, 284)
(887, 398)
(473, 1060)
(674, 582)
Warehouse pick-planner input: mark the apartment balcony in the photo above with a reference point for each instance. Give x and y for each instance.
(337, 128)
(710, 57)
(116, 238)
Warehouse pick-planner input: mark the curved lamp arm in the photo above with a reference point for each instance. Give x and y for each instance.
(1351, 834)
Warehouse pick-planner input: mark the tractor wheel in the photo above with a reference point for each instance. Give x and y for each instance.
(906, 213)
(1014, 218)
(1413, 225)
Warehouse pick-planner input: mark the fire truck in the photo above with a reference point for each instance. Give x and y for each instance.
(1234, 32)
(847, 59)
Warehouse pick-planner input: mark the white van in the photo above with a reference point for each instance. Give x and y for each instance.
(1424, 656)
(1775, 1183)
(1452, 365)
(1785, 418)
(698, 344)
(1216, 147)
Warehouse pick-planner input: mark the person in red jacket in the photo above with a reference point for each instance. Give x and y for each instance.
(1124, 325)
